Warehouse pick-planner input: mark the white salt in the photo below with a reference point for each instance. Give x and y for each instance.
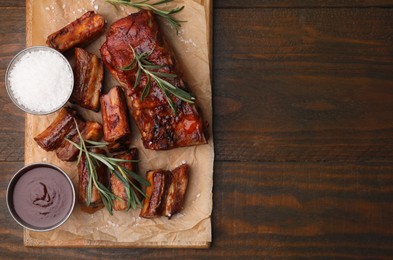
(41, 81)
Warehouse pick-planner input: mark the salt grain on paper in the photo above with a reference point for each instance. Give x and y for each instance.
(112, 224)
(41, 81)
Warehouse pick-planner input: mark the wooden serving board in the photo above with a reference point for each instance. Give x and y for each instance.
(191, 228)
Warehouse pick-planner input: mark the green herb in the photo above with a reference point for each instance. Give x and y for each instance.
(124, 175)
(144, 4)
(150, 70)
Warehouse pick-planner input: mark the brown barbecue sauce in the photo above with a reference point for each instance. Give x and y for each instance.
(42, 197)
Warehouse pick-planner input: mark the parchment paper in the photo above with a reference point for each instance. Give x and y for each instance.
(192, 226)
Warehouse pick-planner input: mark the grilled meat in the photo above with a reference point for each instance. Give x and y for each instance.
(115, 116)
(78, 33)
(160, 127)
(68, 152)
(83, 174)
(117, 186)
(89, 73)
(117, 147)
(155, 193)
(166, 193)
(176, 191)
(63, 126)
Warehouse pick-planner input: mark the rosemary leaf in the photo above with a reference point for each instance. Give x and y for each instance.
(92, 162)
(146, 5)
(150, 71)
(112, 159)
(131, 202)
(146, 90)
(99, 158)
(164, 75)
(138, 189)
(135, 176)
(95, 142)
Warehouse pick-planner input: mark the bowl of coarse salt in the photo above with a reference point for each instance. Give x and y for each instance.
(39, 80)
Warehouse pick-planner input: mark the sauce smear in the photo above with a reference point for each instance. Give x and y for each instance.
(42, 197)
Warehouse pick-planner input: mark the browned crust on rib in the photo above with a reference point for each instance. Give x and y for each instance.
(83, 175)
(117, 186)
(166, 193)
(160, 127)
(115, 116)
(63, 126)
(78, 33)
(176, 191)
(91, 131)
(89, 72)
(155, 193)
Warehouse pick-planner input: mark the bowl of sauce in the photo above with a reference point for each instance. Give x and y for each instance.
(39, 80)
(40, 197)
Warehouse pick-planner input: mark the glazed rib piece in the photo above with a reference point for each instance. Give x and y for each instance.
(63, 126)
(115, 116)
(83, 175)
(160, 127)
(155, 193)
(89, 73)
(78, 33)
(166, 193)
(176, 191)
(117, 186)
(117, 147)
(68, 152)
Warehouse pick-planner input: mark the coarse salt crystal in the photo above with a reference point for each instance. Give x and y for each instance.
(41, 81)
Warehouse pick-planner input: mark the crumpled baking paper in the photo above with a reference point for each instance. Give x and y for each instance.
(189, 228)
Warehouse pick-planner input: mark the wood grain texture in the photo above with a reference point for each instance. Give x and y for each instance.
(272, 210)
(301, 3)
(303, 84)
(303, 129)
(12, 40)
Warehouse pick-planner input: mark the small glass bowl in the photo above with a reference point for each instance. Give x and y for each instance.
(10, 197)
(8, 83)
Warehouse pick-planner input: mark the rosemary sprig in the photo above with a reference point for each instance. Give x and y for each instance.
(148, 68)
(144, 4)
(92, 161)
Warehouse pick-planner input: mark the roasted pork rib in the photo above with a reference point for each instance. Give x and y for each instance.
(160, 127)
(83, 176)
(78, 33)
(166, 193)
(115, 116)
(63, 126)
(89, 73)
(68, 152)
(117, 187)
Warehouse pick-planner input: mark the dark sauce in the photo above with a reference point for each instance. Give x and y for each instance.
(42, 197)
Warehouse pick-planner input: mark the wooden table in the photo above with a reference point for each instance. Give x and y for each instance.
(303, 124)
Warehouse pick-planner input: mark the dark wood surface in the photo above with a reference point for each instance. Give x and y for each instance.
(303, 124)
